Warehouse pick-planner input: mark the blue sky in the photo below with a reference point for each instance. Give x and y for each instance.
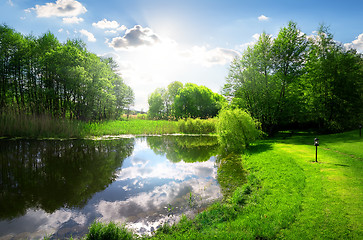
(156, 42)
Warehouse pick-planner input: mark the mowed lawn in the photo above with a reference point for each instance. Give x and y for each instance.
(293, 197)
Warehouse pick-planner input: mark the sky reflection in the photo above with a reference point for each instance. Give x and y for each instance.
(144, 186)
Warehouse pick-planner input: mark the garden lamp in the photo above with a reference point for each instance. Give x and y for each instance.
(316, 144)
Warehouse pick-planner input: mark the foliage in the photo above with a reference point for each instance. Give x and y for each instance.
(110, 231)
(40, 75)
(298, 81)
(236, 129)
(161, 101)
(197, 126)
(189, 101)
(334, 83)
(197, 102)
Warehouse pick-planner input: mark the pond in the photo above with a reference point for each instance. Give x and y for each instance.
(58, 188)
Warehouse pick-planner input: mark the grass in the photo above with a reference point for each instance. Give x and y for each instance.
(151, 127)
(39, 126)
(134, 127)
(43, 126)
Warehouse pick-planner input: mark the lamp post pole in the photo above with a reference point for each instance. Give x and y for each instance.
(360, 130)
(316, 143)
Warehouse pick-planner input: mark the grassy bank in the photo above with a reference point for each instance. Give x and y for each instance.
(31, 126)
(149, 127)
(39, 126)
(288, 195)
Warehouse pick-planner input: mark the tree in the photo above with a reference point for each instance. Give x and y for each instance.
(197, 102)
(236, 129)
(43, 76)
(265, 79)
(295, 82)
(334, 83)
(156, 104)
(170, 95)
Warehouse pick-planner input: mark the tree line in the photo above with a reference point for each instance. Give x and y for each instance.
(40, 75)
(298, 81)
(184, 101)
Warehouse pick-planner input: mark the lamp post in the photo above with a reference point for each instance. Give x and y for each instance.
(316, 144)
(360, 130)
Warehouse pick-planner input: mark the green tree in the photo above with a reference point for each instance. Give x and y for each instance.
(170, 95)
(265, 80)
(156, 104)
(197, 101)
(334, 83)
(40, 75)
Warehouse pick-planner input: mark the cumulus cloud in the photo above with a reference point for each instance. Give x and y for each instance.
(263, 18)
(357, 43)
(135, 37)
(61, 8)
(105, 24)
(208, 57)
(90, 36)
(72, 20)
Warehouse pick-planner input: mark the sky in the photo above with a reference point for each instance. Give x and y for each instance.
(156, 42)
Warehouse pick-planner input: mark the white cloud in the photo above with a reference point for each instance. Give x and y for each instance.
(105, 24)
(73, 20)
(135, 37)
(209, 57)
(11, 3)
(263, 18)
(61, 8)
(111, 32)
(357, 43)
(122, 28)
(90, 36)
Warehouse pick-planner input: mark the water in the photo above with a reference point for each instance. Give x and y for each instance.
(58, 188)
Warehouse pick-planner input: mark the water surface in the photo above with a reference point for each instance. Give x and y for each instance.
(58, 188)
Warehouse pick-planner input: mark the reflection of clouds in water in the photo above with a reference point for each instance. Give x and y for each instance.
(44, 223)
(137, 208)
(140, 145)
(167, 170)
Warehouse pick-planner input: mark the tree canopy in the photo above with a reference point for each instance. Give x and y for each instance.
(40, 75)
(186, 101)
(298, 81)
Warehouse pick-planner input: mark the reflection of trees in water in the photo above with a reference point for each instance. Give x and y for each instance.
(186, 148)
(230, 173)
(55, 174)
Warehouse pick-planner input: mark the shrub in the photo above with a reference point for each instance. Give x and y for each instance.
(111, 231)
(236, 129)
(197, 126)
(141, 116)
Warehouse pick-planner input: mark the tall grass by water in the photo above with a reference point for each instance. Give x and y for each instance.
(39, 126)
(44, 126)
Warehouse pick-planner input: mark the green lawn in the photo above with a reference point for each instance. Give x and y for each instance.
(293, 197)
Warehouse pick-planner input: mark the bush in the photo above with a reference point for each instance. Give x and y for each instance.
(141, 116)
(236, 129)
(111, 231)
(197, 126)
